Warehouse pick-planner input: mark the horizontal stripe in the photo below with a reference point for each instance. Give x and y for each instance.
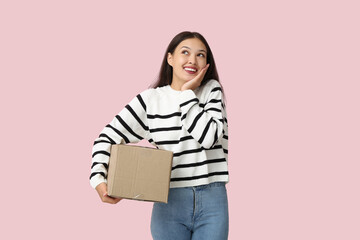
(213, 109)
(200, 176)
(216, 89)
(176, 114)
(104, 164)
(129, 108)
(128, 128)
(177, 154)
(95, 173)
(199, 163)
(205, 131)
(100, 152)
(214, 101)
(119, 133)
(191, 128)
(165, 129)
(168, 142)
(225, 151)
(141, 101)
(106, 136)
(101, 141)
(225, 136)
(211, 101)
(187, 152)
(183, 117)
(187, 102)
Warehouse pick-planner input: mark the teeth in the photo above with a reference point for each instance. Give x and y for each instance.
(190, 69)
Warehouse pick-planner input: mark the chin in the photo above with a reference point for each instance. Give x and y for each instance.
(188, 78)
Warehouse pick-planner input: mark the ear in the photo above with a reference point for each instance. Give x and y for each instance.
(169, 59)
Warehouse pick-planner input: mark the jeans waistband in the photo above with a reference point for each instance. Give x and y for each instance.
(214, 184)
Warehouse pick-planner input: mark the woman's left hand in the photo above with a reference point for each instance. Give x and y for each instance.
(196, 81)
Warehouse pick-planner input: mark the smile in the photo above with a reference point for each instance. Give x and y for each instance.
(190, 70)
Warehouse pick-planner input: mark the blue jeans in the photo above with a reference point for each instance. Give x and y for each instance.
(196, 213)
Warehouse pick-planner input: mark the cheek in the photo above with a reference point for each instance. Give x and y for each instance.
(202, 63)
(180, 62)
(182, 59)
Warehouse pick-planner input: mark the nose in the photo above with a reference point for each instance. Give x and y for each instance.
(192, 59)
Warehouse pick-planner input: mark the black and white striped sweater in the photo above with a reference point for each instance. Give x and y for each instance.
(191, 124)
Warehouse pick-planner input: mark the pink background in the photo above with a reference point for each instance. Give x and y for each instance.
(290, 70)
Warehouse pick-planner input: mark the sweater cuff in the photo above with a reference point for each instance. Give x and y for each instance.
(96, 180)
(186, 97)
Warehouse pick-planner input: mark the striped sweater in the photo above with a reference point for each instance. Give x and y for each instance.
(191, 123)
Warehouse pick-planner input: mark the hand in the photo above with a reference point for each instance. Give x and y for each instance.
(102, 191)
(196, 81)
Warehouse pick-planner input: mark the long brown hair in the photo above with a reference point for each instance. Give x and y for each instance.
(166, 72)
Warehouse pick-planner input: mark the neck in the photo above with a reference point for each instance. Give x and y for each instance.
(175, 86)
(177, 83)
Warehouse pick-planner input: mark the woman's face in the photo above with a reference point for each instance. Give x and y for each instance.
(187, 60)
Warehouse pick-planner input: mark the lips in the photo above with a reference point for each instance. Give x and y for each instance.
(190, 70)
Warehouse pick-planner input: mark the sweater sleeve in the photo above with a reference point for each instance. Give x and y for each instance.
(128, 126)
(204, 123)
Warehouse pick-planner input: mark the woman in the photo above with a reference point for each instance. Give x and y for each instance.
(184, 112)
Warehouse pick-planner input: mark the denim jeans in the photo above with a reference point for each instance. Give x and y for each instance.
(196, 213)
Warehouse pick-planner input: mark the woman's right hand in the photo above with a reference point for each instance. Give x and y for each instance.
(196, 81)
(102, 191)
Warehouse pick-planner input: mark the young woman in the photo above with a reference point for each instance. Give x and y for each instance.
(183, 112)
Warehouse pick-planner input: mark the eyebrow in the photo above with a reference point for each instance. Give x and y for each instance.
(201, 50)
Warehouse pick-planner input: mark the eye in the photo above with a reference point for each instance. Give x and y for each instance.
(202, 54)
(184, 51)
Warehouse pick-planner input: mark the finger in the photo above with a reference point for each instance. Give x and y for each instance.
(109, 200)
(203, 71)
(110, 197)
(115, 198)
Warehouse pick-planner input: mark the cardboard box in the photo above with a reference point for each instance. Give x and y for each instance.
(139, 173)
